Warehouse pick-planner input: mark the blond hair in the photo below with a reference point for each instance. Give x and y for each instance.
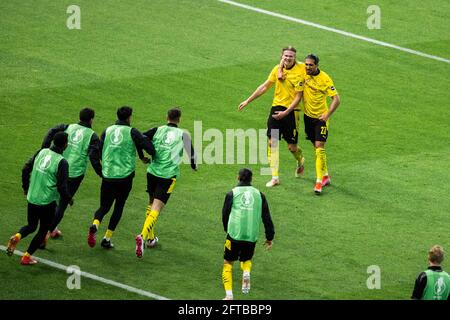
(436, 254)
(288, 48)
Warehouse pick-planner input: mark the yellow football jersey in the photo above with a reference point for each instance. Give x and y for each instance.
(286, 89)
(315, 92)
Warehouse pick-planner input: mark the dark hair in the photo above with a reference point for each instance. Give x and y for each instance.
(312, 56)
(174, 114)
(245, 175)
(60, 139)
(290, 48)
(123, 113)
(86, 114)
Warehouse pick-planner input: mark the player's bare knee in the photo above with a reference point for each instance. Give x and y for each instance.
(319, 144)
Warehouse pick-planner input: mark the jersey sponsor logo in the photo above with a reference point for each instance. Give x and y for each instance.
(76, 136)
(169, 139)
(116, 136)
(45, 162)
(439, 286)
(247, 199)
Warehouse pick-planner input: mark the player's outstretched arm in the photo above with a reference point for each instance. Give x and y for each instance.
(258, 92)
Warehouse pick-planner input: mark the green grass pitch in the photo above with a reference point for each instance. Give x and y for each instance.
(388, 148)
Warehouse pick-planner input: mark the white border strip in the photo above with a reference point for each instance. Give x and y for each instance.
(344, 33)
(94, 277)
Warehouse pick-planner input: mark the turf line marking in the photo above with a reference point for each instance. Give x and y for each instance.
(341, 32)
(93, 277)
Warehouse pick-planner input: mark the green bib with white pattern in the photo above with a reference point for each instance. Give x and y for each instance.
(119, 152)
(245, 217)
(438, 285)
(76, 152)
(43, 190)
(168, 142)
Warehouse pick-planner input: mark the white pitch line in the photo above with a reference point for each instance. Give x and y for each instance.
(344, 33)
(93, 277)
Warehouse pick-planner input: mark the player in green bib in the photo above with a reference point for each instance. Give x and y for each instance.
(44, 182)
(119, 144)
(162, 173)
(433, 283)
(243, 210)
(83, 144)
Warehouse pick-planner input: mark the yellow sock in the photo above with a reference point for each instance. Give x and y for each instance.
(96, 222)
(26, 254)
(324, 163)
(298, 155)
(151, 234)
(108, 234)
(149, 224)
(246, 266)
(148, 210)
(18, 235)
(273, 156)
(227, 277)
(321, 163)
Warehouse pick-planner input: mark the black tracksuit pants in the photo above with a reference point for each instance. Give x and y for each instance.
(42, 215)
(72, 185)
(113, 190)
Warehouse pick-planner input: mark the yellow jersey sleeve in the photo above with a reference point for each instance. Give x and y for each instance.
(273, 74)
(331, 90)
(298, 85)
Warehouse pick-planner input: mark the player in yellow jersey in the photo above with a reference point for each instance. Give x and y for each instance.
(288, 79)
(317, 87)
